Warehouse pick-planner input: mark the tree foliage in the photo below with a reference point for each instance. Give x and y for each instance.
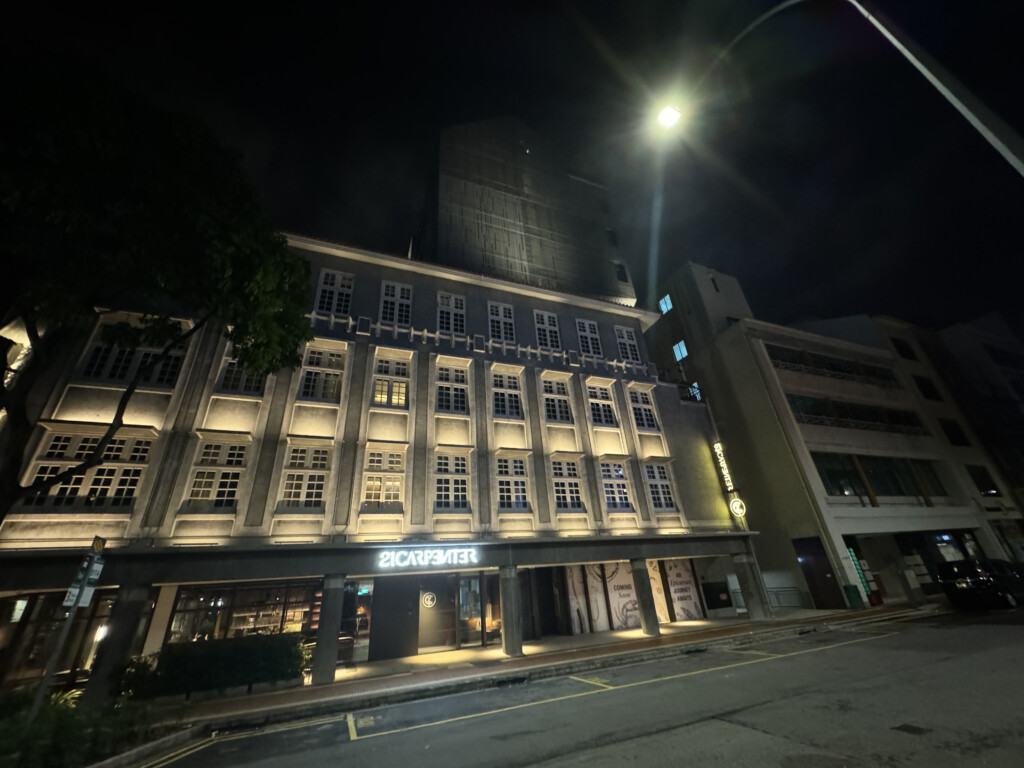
(108, 203)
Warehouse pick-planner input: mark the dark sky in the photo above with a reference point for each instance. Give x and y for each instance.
(820, 169)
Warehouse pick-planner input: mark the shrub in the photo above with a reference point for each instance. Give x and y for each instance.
(216, 664)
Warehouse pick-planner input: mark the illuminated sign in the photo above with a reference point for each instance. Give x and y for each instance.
(427, 557)
(737, 507)
(723, 467)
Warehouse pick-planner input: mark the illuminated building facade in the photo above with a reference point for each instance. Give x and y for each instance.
(458, 460)
(853, 459)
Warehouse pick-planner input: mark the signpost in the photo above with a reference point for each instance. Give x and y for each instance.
(79, 595)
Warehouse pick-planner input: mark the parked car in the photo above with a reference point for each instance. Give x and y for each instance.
(971, 584)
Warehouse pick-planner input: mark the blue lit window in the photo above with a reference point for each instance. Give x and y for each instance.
(665, 303)
(679, 350)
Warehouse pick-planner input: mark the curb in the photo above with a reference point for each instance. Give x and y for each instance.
(154, 748)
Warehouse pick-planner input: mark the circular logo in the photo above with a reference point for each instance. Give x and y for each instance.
(429, 599)
(737, 507)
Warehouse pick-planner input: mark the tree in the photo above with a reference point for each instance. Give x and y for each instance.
(110, 204)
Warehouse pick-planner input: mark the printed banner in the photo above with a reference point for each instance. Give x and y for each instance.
(598, 606)
(658, 588)
(621, 595)
(577, 599)
(685, 600)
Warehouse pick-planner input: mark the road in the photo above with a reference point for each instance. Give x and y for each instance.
(941, 691)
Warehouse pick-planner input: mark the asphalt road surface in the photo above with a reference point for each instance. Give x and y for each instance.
(941, 691)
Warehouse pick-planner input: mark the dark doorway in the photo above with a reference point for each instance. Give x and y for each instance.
(817, 570)
(437, 612)
(394, 631)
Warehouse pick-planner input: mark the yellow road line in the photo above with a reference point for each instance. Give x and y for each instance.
(592, 682)
(756, 653)
(179, 753)
(352, 727)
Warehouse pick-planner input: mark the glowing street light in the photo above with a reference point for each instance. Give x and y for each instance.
(669, 116)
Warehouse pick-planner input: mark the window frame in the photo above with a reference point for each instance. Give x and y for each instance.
(548, 333)
(397, 307)
(588, 332)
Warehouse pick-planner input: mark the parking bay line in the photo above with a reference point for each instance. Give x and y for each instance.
(354, 736)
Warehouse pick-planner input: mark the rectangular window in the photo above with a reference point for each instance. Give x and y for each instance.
(217, 487)
(954, 432)
(512, 494)
(616, 489)
(602, 413)
(236, 379)
(451, 313)
(679, 350)
(659, 486)
(983, 480)
(451, 485)
(556, 401)
(628, 348)
(304, 486)
(396, 304)
(453, 394)
(114, 483)
(643, 410)
(502, 322)
(507, 401)
(335, 293)
(927, 388)
(567, 485)
(547, 330)
(122, 364)
(321, 375)
(665, 303)
(590, 340)
(391, 384)
(386, 487)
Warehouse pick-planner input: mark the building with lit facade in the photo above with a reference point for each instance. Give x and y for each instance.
(459, 460)
(856, 465)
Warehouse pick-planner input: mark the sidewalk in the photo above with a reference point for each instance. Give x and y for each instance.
(437, 674)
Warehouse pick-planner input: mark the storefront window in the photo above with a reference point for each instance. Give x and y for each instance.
(218, 612)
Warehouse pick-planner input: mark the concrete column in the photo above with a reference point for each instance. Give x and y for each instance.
(644, 596)
(511, 612)
(748, 574)
(160, 619)
(115, 649)
(325, 656)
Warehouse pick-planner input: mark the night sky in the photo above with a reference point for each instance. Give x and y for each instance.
(820, 169)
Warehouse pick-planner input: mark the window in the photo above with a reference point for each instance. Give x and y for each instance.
(217, 487)
(112, 363)
(590, 341)
(396, 304)
(451, 313)
(888, 476)
(556, 401)
(903, 348)
(114, 483)
(391, 383)
(602, 414)
(567, 485)
(507, 402)
(237, 380)
(385, 476)
(512, 484)
(659, 486)
(927, 388)
(954, 432)
(643, 410)
(502, 324)
(839, 474)
(983, 480)
(679, 350)
(547, 330)
(335, 293)
(305, 477)
(665, 303)
(616, 490)
(451, 390)
(321, 375)
(628, 348)
(451, 482)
